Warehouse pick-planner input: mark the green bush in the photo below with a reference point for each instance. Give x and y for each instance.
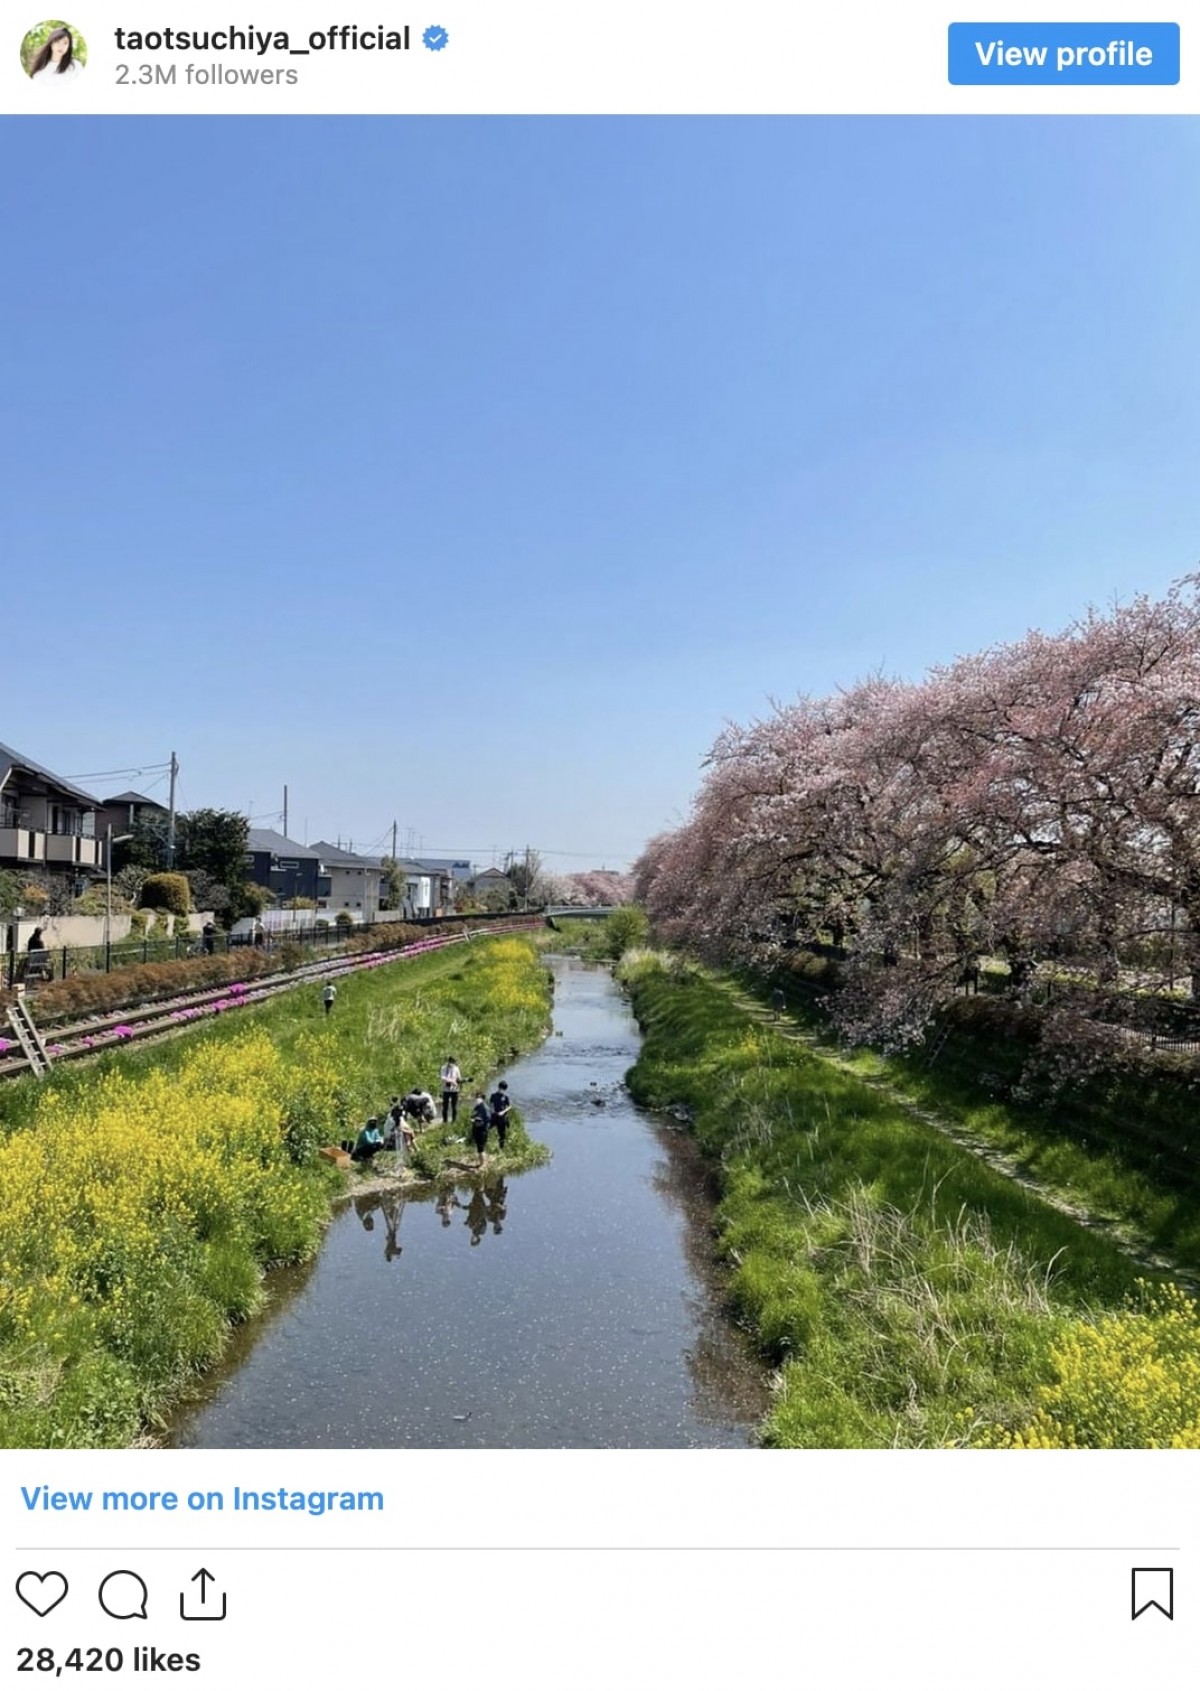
(169, 892)
(625, 928)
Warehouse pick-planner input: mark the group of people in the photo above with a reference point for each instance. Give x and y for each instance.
(398, 1129)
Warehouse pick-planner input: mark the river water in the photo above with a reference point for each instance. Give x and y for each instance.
(575, 1305)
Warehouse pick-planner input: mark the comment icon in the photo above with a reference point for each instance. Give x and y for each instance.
(123, 1595)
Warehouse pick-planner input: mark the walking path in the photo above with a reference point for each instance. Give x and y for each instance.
(1126, 1238)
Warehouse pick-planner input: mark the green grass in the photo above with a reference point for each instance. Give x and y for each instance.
(1121, 1146)
(394, 1027)
(906, 1290)
(116, 1336)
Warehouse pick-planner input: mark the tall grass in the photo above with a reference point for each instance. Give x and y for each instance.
(906, 1291)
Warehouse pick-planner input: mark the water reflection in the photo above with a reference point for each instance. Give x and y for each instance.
(596, 1321)
(485, 1206)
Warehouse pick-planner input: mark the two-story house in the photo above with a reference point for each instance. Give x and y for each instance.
(287, 869)
(354, 881)
(125, 811)
(47, 824)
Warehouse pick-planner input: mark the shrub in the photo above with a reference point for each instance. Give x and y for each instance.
(625, 928)
(168, 892)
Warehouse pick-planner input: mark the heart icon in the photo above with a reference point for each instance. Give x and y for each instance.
(41, 1592)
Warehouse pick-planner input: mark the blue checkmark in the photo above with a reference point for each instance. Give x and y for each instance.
(435, 37)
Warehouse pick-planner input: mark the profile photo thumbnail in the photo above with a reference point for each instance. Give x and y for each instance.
(53, 55)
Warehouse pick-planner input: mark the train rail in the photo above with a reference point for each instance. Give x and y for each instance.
(170, 1017)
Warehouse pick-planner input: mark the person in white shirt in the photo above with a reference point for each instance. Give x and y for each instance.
(451, 1081)
(56, 64)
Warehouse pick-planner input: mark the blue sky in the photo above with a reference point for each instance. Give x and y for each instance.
(473, 473)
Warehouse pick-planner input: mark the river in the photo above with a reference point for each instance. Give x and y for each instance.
(572, 1306)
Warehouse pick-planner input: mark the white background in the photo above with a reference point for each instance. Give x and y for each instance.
(580, 1569)
(544, 56)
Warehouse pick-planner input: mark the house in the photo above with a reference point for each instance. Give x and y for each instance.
(46, 824)
(287, 869)
(491, 881)
(453, 874)
(354, 881)
(123, 813)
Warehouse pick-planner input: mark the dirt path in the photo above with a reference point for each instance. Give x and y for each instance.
(1126, 1239)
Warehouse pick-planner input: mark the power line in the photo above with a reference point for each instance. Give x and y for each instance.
(103, 774)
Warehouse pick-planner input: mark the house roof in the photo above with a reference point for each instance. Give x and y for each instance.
(341, 858)
(266, 839)
(443, 865)
(10, 760)
(135, 798)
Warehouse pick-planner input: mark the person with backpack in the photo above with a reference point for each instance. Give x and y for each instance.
(481, 1121)
(451, 1081)
(501, 1104)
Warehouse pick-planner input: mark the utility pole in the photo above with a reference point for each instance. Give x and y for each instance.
(526, 877)
(171, 813)
(285, 832)
(393, 840)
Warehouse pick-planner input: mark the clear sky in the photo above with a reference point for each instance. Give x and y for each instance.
(473, 473)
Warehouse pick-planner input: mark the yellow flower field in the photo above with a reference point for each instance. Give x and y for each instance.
(139, 1203)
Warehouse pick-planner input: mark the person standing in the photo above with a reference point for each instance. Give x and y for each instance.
(329, 997)
(481, 1120)
(451, 1081)
(501, 1104)
(778, 1001)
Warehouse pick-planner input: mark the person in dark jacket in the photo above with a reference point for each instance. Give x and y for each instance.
(481, 1121)
(501, 1104)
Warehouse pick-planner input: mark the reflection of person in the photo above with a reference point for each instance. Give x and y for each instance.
(392, 1212)
(477, 1215)
(56, 62)
(497, 1205)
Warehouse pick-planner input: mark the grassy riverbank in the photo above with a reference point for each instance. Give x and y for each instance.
(141, 1196)
(910, 1294)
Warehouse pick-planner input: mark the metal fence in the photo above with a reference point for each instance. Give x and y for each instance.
(33, 968)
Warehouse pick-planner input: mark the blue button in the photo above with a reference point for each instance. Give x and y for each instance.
(1010, 55)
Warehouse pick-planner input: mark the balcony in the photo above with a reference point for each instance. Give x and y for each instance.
(79, 850)
(30, 845)
(22, 845)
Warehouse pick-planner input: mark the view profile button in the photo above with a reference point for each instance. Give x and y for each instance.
(1066, 55)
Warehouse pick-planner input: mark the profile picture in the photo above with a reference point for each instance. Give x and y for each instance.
(53, 54)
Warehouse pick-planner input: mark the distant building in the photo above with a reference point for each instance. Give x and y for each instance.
(354, 881)
(490, 881)
(285, 868)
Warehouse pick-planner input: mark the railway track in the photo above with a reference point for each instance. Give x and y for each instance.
(169, 1017)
